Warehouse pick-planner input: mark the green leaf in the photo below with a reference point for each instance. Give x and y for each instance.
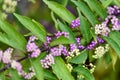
(117, 2)
(64, 2)
(60, 40)
(80, 59)
(2, 76)
(12, 33)
(33, 26)
(113, 44)
(98, 8)
(106, 3)
(55, 20)
(85, 28)
(60, 10)
(9, 41)
(86, 11)
(14, 74)
(65, 28)
(60, 69)
(115, 35)
(38, 67)
(82, 70)
(49, 75)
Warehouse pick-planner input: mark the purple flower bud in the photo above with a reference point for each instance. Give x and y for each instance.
(65, 34)
(72, 47)
(32, 38)
(91, 45)
(16, 65)
(75, 23)
(35, 53)
(63, 50)
(48, 39)
(81, 47)
(47, 61)
(100, 40)
(31, 47)
(55, 51)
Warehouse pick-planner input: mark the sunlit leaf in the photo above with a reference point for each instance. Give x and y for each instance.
(60, 40)
(33, 26)
(12, 33)
(106, 3)
(80, 59)
(38, 67)
(60, 10)
(98, 8)
(86, 11)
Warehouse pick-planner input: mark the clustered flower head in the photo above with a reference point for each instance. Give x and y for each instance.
(72, 47)
(32, 47)
(75, 23)
(113, 10)
(47, 61)
(8, 7)
(6, 55)
(91, 45)
(69, 66)
(102, 29)
(100, 51)
(81, 47)
(65, 34)
(111, 22)
(73, 53)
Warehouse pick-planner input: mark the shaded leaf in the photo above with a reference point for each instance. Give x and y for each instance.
(113, 44)
(49, 75)
(115, 35)
(14, 74)
(82, 70)
(85, 28)
(60, 69)
(55, 21)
